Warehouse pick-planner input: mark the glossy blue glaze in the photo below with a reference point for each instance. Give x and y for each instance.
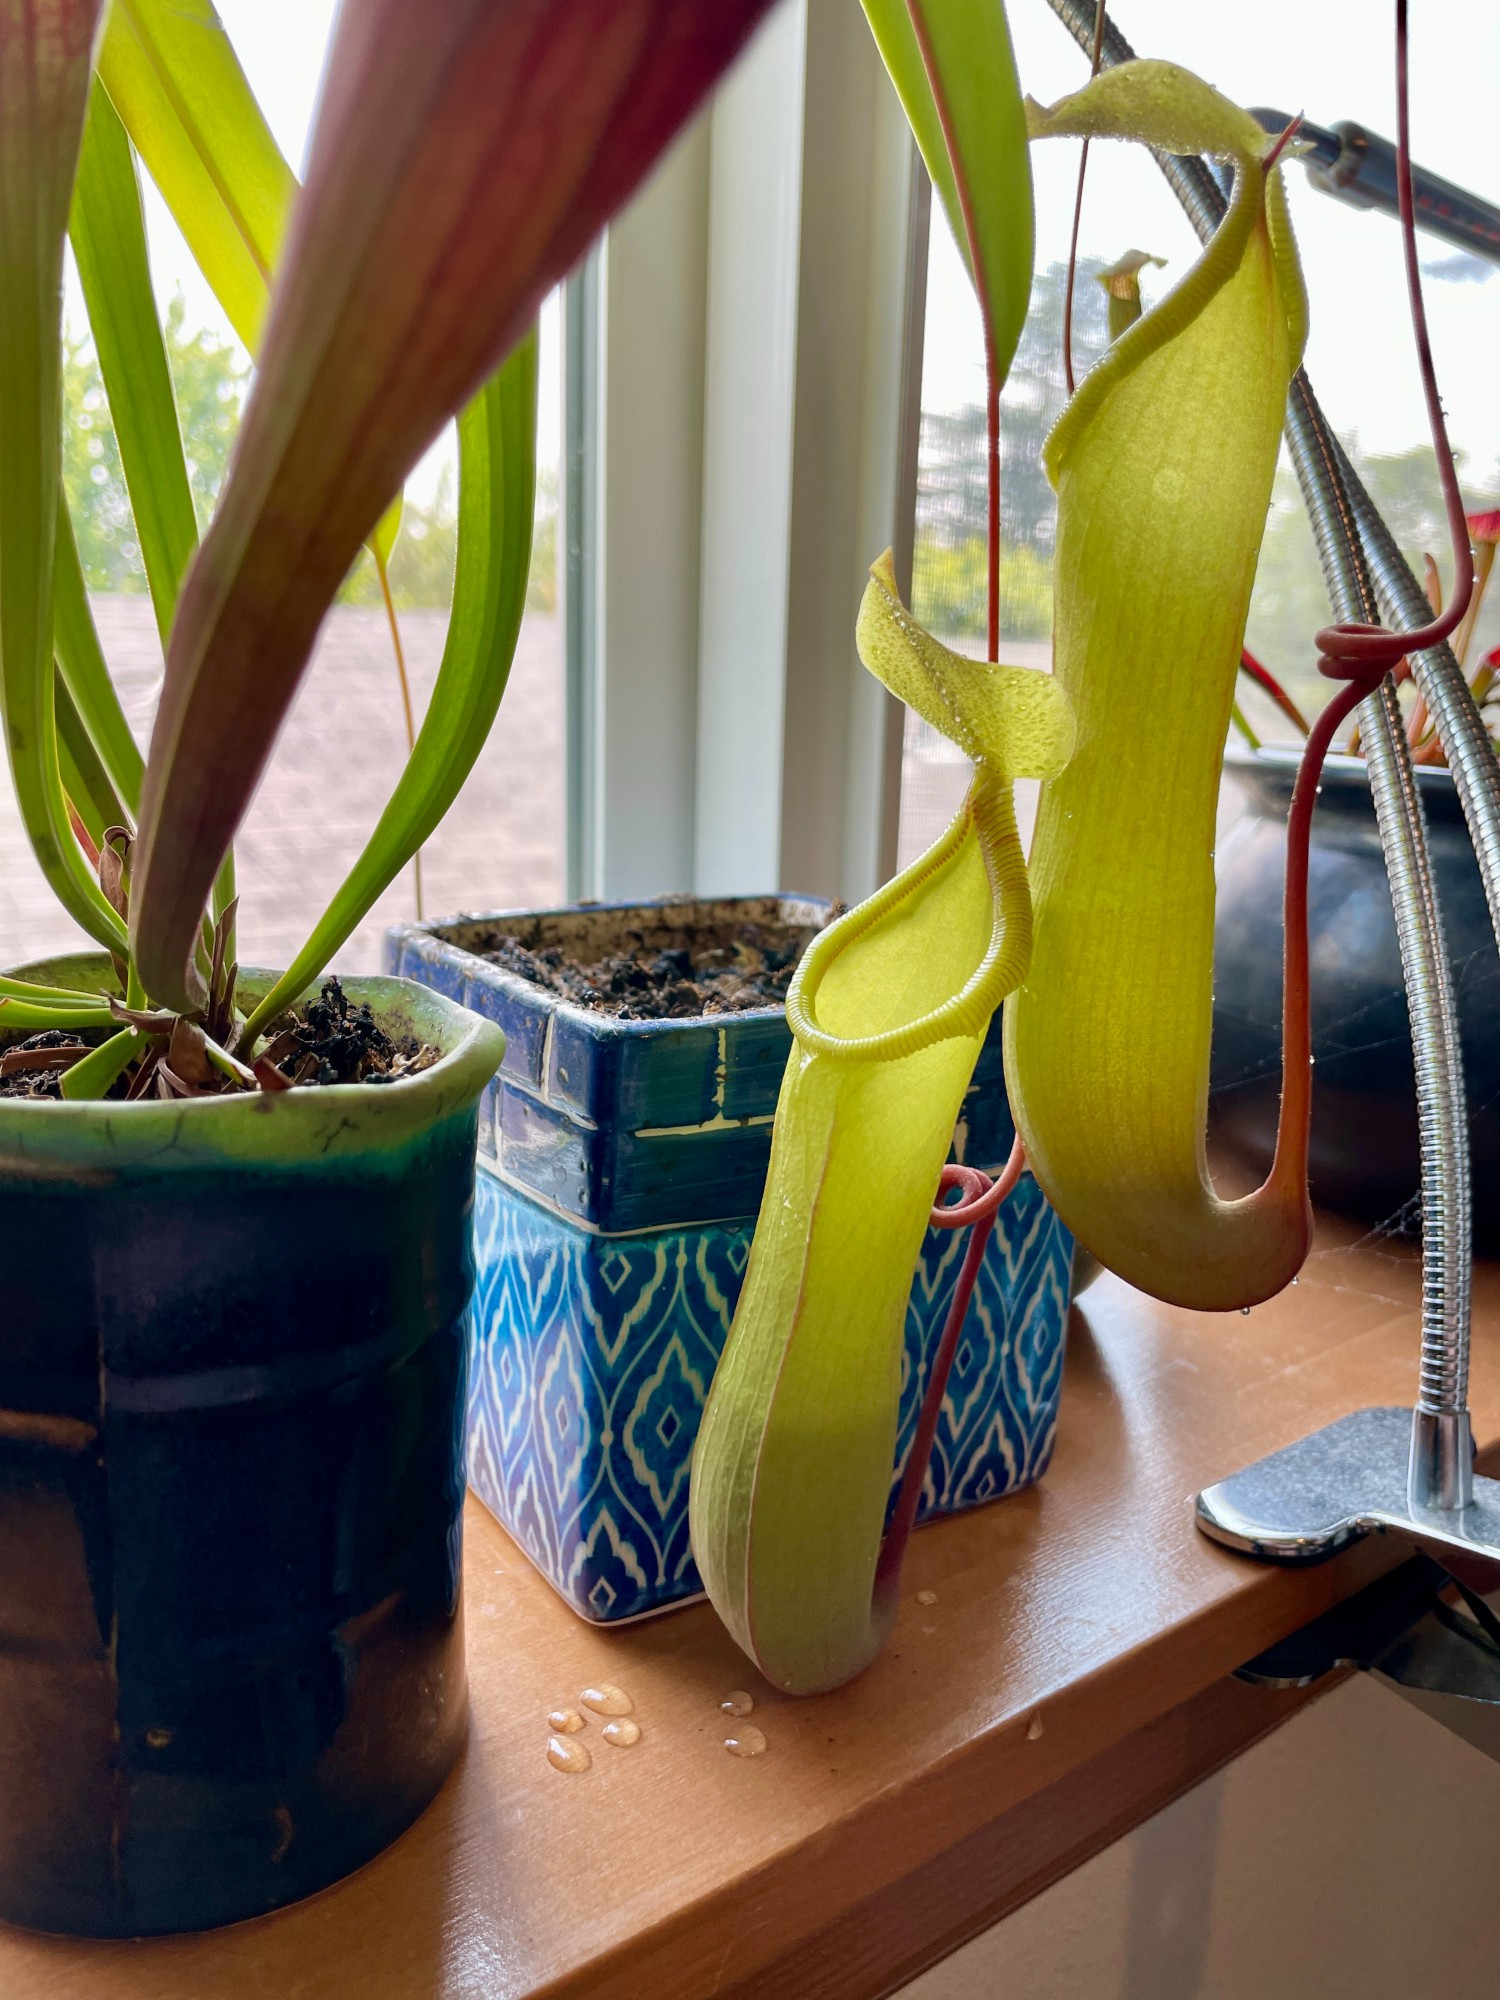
(622, 1166)
(593, 1354)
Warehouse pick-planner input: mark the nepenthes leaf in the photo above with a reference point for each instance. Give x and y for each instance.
(1163, 464)
(889, 1010)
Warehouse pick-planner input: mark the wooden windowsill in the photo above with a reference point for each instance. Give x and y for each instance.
(1070, 1677)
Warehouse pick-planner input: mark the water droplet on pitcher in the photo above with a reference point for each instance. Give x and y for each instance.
(564, 1753)
(1034, 1728)
(566, 1721)
(927, 1597)
(746, 1742)
(622, 1732)
(607, 1699)
(738, 1701)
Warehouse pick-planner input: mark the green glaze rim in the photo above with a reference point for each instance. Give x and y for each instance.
(341, 1121)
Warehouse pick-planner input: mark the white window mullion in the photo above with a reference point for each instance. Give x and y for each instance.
(754, 452)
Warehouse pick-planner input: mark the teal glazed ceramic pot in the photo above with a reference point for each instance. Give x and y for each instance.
(232, 1376)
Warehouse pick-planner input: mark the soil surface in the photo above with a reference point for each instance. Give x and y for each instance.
(38, 1077)
(330, 1040)
(725, 968)
(327, 1040)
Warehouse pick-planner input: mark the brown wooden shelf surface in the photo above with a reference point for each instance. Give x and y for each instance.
(1069, 1678)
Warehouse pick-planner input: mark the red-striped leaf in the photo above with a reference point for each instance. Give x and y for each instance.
(465, 155)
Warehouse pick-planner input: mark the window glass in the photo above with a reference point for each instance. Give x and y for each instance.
(1334, 63)
(345, 742)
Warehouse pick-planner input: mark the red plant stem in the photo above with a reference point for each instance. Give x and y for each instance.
(406, 708)
(1285, 138)
(1072, 279)
(981, 1202)
(1289, 1166)
(1267, 682)
(1083, 167)
(81, 834)
(1361, 656)
(976, 267)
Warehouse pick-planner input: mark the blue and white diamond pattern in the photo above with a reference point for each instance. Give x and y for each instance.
(592, 1357)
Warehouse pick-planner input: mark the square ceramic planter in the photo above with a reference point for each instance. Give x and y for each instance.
(621, 1168)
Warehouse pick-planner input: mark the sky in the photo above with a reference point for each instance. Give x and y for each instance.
(1332, 59)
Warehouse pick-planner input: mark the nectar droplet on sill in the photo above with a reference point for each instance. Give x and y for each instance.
(607, 1699)
(565, 1753)
(747, 1741)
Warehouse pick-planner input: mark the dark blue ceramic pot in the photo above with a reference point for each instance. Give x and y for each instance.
(231, 1392)
(1364, 1130)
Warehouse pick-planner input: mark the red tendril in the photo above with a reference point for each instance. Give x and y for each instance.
(1083, 167)
(1360, 656)
(978, 1206)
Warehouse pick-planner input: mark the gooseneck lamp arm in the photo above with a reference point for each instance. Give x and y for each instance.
(1262, 1510)
(1357, 166)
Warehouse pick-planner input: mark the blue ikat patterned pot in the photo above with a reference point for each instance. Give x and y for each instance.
(621, 1166)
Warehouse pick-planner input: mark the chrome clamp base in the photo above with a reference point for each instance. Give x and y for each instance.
(1360, 1476)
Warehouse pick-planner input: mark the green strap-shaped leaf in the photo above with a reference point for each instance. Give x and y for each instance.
(80, 659)
(46, 48)
(889, 1009)
(195, 121)
(92, 1075)
(1163, 464)
(22, 1017)
(383, 537)
(955, 73)
(85, 780)
(496, 500)
(464, 157)
(177, 84)
(109, 242)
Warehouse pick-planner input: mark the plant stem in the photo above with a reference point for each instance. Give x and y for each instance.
(1083, 167)
(1361, 656)
(407, 710)
(978, 1209)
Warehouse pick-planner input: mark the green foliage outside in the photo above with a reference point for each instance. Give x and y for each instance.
(210, 378)
(949, 569)
(950, 580)
(1290, 603)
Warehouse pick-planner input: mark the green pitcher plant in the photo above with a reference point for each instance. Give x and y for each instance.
(464, 156)
(1163, 463)
(888, 1010)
